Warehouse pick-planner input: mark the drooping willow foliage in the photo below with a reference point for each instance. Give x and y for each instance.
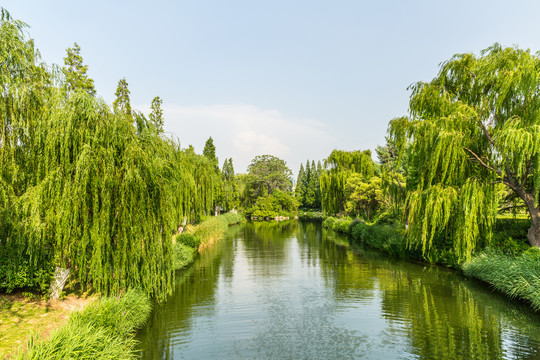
(85, 187)
(474, 126)
(338, 167)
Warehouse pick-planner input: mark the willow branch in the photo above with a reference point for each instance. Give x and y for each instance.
(486, 133)
(498, 172)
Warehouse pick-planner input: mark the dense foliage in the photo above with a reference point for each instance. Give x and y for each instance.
(85, 186)
(338, 168)
(473, 127)
(308, 188)
(267, 188)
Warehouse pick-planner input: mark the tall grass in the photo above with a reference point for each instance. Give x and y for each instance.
(386, 238)
(214, 227)
(120, 315)
(517, 277)
(103, 330)
(194, 238)
(80, 341)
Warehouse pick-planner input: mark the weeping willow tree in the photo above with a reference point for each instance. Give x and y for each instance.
(474, 126)
(338, 167)
(84, 186)
(25, 84)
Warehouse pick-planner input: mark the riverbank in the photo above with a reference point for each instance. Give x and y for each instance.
(94, 328)
(507, 266)
(196, 238)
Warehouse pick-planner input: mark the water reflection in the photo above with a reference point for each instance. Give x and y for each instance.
(287, 290)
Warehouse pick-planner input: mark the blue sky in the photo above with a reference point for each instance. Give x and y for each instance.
(293, 78)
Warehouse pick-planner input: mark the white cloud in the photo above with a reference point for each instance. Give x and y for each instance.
(244, 131)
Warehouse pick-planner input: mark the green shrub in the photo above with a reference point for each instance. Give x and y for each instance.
(510, 235)
(328, 223)
(189, 240)
(517, 277)
(341, 226)
(352, 224)
(233, 218)
(387, 218)
(387, 238)
(17, 272)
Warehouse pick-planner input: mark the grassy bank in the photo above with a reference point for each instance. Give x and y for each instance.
(196, 238)
(515, 276)
(103, 330)
(21, 314)
(387, 238)
(508, 265)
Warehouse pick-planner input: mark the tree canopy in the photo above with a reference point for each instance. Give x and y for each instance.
(475, 125)
(339, 166)
(267, 173)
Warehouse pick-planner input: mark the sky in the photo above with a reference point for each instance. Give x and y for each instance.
(291, 78)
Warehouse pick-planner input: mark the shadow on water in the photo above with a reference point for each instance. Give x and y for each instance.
(292, 290)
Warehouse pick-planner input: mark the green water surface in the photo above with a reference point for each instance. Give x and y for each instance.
(293, 291)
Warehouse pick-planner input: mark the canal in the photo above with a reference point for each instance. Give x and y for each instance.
(291, 290)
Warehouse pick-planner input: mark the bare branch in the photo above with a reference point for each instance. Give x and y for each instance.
(498, 172)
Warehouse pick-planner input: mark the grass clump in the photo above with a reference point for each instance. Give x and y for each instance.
(517, 277)
(337, 224)
(195, 238)
(118, 315)
(80, 341)
(103, 330)
(183, 255)
(189, 240)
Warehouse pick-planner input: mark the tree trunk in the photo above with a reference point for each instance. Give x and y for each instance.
(59, 280)
(533, 234)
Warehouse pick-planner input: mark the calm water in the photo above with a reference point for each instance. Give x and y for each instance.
(289, 291)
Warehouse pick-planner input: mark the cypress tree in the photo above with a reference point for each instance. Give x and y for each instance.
(300, 186)
(156, 116)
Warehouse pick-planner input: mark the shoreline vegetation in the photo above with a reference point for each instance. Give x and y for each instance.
(103, 328)
(512, 271)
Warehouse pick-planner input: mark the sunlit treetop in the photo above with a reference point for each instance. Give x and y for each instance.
(75, 72)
